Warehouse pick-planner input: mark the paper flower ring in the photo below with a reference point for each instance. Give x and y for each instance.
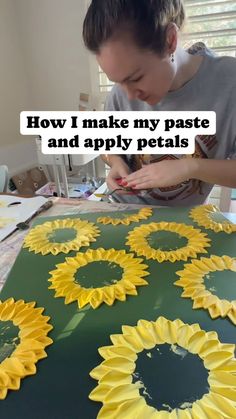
(33, 337)
(203, 216)
(121, 397)
(192, 281)
(142, 214)
(63, 278)
(38, 239)
(197, 241)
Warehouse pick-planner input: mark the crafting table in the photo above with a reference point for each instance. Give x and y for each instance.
(62, 384)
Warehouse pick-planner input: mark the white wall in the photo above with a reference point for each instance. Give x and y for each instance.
(19, 156)
(58, 63)
(14, 88)
(44, 66)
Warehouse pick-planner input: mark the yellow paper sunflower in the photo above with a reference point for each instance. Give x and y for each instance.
(142, 214)
(197, 241)
(121, 397)
(192, 280)
(63, 278)
(33, 337)
(38, 239)
(203, 216)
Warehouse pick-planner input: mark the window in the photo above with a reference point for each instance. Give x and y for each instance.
(210, 21)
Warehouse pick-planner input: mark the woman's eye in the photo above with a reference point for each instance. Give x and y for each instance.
(136, 80)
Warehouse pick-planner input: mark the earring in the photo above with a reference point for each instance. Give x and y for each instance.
(172, 58)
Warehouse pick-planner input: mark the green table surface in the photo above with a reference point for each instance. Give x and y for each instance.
(62, 384)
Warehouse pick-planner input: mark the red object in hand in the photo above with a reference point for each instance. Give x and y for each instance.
(119, 181)
(123, 183)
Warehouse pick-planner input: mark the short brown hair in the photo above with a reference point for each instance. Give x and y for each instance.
(146, 20)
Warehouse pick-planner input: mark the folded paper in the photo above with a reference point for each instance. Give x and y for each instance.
(192, 281)
(121, 397)
(38, 239)
(33, 330)
(63, 278)
(142, 214)
(197, 241)
(203, 216)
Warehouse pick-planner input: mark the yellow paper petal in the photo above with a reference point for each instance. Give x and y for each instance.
(38, 239)
(33, 329)
(63, 278)
(203, 216)
(196, 290)
(121, 397)
(142, 214)
(138, 241)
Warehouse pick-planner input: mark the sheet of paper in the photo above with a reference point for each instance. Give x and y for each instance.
(17, 213)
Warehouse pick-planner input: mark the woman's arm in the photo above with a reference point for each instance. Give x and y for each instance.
(217, 172)
(168, 173)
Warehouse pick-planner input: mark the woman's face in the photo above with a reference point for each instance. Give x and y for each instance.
(142, 74)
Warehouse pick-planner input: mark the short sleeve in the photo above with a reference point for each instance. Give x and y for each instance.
(111, 103)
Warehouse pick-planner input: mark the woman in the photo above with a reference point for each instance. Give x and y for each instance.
(137, 45)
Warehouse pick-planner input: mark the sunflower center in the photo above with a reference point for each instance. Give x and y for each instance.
(219, 218)
(171, 377)
(8, 339)
(98, 274)
(222, 284)
(166, 240)
(62, 235)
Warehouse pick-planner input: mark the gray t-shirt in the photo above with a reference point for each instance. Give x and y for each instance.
(213, 88)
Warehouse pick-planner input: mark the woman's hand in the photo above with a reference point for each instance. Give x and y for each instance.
(119, 169)
(160, 175)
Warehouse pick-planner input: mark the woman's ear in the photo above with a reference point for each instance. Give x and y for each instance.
(171, 38)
